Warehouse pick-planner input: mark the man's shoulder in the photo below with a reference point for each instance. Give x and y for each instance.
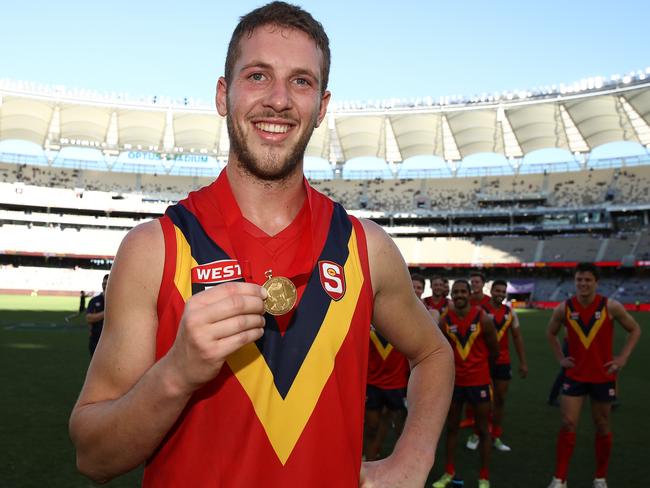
(96, 301)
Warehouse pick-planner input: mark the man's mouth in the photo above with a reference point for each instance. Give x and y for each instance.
(273, 128)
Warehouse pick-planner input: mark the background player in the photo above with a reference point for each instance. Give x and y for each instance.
(590, 367)
(388, 372)
(477, 282)
(478, 297)
(506, 322)
(438, 299)
(95, 317)
(473, 338)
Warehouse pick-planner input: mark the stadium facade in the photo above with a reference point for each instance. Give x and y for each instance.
(459, 183)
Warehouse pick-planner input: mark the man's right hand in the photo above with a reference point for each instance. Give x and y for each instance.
(567, 362)
(215, 323)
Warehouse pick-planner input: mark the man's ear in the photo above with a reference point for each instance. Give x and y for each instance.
(324, 102)
(221, 97)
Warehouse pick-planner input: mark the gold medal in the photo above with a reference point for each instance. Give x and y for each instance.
(282, 294)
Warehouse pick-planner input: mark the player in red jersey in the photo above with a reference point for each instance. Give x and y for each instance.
(506, 322)
(590, 367)
(419, 282)
(438, 299)
(477, 282)
(388, 373)
(200, 368)
(474, 341)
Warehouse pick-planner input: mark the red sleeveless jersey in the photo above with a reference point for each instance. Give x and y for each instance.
(387, 367)
(470, 350)
(439, 305)
(590, 332)
(288, 409)
(482, 302)
(502, 318)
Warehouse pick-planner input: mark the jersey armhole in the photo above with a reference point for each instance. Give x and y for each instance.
(169, 267)
(362, 245)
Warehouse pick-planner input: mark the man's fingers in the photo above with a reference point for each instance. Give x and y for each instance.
(226, 307)
(216, 293)
(232, 343)
(236, 325)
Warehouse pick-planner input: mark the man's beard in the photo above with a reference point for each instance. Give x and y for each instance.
(269, 167)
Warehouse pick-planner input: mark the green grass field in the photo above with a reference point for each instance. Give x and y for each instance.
(43, 362)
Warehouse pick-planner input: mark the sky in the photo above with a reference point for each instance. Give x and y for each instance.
(380, 49)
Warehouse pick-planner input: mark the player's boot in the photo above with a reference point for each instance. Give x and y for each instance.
(444, 480)
(472, 442)
(557, 483)
(600, 483)
(483, 483)
(500, 446)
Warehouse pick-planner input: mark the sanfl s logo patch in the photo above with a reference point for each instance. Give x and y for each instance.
(332, 278)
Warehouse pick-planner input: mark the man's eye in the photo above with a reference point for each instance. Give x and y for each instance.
(302, 82)
(257, 77)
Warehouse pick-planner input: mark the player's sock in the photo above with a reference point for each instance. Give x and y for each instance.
(450, 468)
(484, 473)
(497, 431)
(603, 451)
(566, 441)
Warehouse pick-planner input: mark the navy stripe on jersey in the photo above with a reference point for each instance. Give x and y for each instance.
(284, 354)
(463, 338)
(592, 320)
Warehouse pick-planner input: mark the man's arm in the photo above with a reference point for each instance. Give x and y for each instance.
(552, 330)
(93, 317)
(518, 340)
(490, 337)
(405, 322)
(631, 326)
(129, 402)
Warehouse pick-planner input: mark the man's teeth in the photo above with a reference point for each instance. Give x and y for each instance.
(275, 128)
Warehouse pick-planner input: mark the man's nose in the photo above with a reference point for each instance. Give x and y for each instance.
(279, 96)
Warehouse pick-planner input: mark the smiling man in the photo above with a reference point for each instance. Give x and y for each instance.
(236, 337)
(474, 340)
(590, 368)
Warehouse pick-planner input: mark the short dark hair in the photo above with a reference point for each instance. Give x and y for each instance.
(418, 277)
(588, 268)
(437, 277)
(479, 274)
(463, 282)
(499, 282)
(279, 14)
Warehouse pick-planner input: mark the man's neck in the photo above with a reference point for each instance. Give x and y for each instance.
(586, 300)
(462, 312)
(271, 206)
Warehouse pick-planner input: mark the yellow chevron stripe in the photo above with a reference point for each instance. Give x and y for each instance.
(587, 339)
(383, 351)
(285, 419)
(184, 264)
(464, 351)
(504, 328)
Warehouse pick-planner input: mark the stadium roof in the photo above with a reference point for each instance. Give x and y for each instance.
(576, 118)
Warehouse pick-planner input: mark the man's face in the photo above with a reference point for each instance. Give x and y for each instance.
(585, 283)
(460, 295)
(498, 293)
(418, 287)
(476, 283)
(438, 288)
(446, 288)
(274, 101)
(104, 283)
